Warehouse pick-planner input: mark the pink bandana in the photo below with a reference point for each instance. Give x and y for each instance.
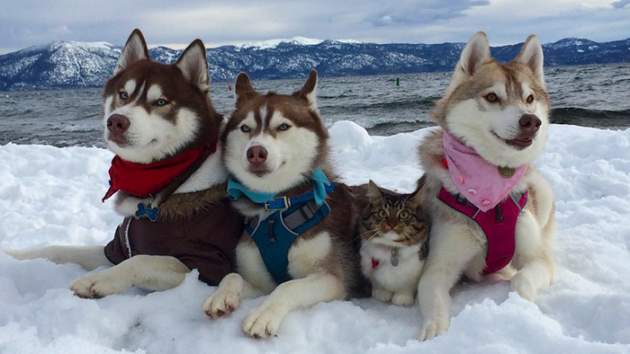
(476, 179)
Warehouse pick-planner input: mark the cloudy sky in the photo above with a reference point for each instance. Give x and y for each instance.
(30, 22)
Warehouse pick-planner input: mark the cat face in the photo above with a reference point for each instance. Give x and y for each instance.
(393, 219)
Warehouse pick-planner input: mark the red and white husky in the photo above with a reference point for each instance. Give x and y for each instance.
(161, 125)
(494, 119)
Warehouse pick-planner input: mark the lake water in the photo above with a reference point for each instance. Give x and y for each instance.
(594, 95)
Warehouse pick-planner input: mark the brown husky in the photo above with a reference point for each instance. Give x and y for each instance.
(299, 246)
(164, 131)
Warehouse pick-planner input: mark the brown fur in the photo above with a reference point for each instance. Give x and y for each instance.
(294, 107)
(187, 205)
(342, 223)
(181, 93)
(489, 73)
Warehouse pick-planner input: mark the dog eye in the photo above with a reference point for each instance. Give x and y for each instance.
(245, 128)
(123, 95)
(283, 127)
(161, 102)
(491, 97)
(530, 99)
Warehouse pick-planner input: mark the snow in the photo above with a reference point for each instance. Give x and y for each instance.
(52, 195)
(272, 43)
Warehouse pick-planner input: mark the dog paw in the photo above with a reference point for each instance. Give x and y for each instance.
(403, 299)
(382, 294)
(264, 322)
(523, 286)
(221, 303)
(432, 328)
(98, 285)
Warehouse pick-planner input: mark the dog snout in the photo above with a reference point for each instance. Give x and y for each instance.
(118, 124)
(257, 155)
(529, 124)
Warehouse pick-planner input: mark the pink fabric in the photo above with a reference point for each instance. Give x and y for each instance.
(476, 179)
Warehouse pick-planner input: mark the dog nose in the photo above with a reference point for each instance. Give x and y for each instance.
(117, 124)
(256, 155)
(529, 124)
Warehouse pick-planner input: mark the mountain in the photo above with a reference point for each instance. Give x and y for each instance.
(79, 64)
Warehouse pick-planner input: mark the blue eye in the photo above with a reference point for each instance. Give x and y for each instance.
(283, 127)
(123, 95)
(245, 128)
(161, 102)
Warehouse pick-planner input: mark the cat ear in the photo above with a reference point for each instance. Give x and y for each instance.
(420, 184)
(414, 196)
(373, 192)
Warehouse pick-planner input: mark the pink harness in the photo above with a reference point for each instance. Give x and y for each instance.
(484, 196)
(498, 224)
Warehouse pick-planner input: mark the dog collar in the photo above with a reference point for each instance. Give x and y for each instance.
(480, 182)
(321, 188)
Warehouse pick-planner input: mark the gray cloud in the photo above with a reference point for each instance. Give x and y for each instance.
(620, 3)
(31, 22)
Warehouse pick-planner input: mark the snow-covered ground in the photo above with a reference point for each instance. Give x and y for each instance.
(52, 196)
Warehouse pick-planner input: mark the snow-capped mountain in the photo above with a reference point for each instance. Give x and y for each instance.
(79, 64)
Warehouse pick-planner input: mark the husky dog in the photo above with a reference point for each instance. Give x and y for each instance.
(488, 205)
(168, 179)
(299, 245)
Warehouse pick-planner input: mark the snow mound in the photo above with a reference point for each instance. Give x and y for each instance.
(52, 196)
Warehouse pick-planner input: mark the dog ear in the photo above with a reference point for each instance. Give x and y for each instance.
(194, 65)
(244, 89)
(309, 90)
(476, 52)
(532, 55)
(134, 50)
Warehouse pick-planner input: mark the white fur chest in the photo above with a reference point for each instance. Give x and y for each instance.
(389, 271)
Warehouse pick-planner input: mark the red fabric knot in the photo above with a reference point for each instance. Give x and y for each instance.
(145, 179)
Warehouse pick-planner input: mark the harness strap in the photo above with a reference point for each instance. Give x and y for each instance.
(274, 234)
(286, 202)
(151, 209)
(498, 225)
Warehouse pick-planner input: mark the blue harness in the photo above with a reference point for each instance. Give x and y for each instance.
(285, 220)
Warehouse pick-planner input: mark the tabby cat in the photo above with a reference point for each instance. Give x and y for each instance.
(394, 243)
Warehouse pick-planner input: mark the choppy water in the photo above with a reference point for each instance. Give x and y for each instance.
(596, 95)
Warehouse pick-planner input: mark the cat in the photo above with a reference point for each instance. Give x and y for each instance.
(394, 243)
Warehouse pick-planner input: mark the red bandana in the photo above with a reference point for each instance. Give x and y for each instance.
(144, 179)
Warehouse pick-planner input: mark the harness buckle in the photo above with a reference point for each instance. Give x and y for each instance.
(272, 205)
